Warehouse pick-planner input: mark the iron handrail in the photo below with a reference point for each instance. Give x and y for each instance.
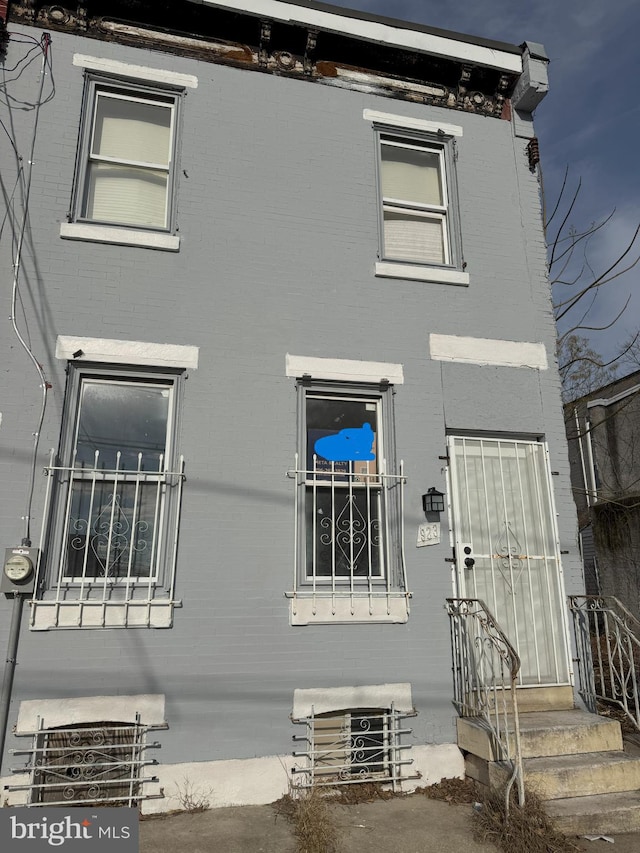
(607, 638)
(485, 669)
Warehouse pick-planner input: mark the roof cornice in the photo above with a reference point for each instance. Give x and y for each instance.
(387, 31)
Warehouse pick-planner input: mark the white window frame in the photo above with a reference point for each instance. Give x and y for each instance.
(83, 226)
(140, 501)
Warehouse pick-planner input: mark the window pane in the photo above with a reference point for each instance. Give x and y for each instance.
(113, 529)
(124, 417)
(411, 175)
(126, 194)
(410, 237)
(132, 130)
(345, 526)
(342, 434)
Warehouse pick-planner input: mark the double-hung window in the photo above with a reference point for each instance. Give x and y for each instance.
(126, 173)
(419, 231)
(127, 159)
(349, 558)
(415, 204)
(115, 499)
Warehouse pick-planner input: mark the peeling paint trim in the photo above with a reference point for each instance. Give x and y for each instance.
(399, 34)
(485, 351)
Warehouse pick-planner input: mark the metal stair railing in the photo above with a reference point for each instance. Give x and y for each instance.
(485, 674)
(608, 647)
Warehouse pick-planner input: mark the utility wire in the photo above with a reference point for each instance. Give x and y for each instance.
(45, 44)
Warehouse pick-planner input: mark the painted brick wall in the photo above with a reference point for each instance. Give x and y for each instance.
(278, 220)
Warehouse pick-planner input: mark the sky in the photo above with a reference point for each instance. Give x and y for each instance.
(588, 122)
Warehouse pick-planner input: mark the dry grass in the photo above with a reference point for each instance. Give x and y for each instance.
(528, 829)
(192, 798)
(453, 791)
(313, 826)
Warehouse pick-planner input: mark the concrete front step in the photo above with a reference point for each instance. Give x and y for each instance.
(563, 776)
(596, 814)
(576, 763)
(560, 777)
(546, 733)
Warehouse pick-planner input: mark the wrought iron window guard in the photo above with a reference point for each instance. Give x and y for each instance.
(485, 676)
(351, 747)
(98, 763)
(608, 647)
(349, 532)
(112, 546)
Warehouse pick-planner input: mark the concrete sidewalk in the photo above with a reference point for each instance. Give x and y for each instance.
(412, 824)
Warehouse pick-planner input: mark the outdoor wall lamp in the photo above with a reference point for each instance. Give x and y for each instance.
(433, 501)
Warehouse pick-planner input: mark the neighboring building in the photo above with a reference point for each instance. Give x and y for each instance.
(284, 271)
(603, 429)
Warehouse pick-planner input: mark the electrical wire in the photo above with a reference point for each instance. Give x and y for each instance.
(45, 43)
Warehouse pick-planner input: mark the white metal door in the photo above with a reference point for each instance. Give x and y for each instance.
(506, 547)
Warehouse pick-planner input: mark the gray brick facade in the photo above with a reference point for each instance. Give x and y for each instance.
(277, 214)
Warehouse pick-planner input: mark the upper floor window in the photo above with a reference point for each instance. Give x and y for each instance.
(419, 219)
(124, 188)
(420, 236)
(414, 202)
(127, 157)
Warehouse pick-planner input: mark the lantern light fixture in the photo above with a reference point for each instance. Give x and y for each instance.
(433, 501)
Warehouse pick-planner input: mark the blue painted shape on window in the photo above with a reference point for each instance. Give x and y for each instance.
(348, 445)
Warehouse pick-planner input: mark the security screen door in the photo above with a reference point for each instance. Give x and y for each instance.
(504, 521)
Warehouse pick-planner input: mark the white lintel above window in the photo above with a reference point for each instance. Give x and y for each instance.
(488, 351)
(136, 72)
(409, 123)
(126, 352)
(54, 713)
(322, 700)
(343, 370)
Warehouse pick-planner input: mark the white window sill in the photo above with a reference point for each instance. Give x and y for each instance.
(386, 269)
(119, 236)
(46, 615)
(344, 608)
